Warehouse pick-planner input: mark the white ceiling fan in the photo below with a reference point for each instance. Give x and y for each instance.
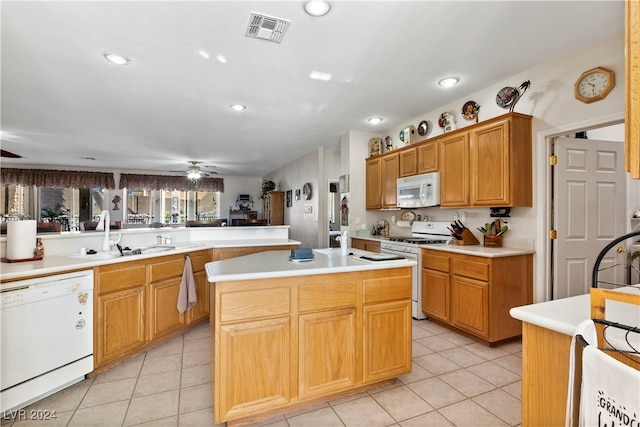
(194, 172)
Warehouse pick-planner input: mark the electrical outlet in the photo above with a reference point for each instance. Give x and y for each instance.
(259, 232)
(215, 234)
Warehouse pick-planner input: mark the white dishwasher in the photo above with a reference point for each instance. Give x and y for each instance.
(46, 336)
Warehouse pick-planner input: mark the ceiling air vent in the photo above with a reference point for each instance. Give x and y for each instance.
(267, 27)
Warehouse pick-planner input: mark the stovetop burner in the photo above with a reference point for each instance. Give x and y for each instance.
(416, 240)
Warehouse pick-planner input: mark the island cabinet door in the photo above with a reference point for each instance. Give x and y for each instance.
(386, 340)
(327, 355)
(254, 367)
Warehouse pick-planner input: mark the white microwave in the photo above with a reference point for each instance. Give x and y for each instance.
(419, 191)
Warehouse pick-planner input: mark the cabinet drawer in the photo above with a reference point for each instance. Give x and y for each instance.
(115, 277)
(468, 268)
(387, 289)
(436, 262)
(254, 304)
(169, 267)
(327, 295)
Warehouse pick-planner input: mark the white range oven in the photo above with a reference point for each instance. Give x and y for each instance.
(422, 233)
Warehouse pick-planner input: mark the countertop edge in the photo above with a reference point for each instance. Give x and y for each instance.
(54, 264)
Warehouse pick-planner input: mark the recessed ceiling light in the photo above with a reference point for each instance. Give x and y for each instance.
(317, 7)
(375, 120)
(317, 75)
(237, 107)
(221, 59)
(449, 81)
(204, 54)
(116, 59)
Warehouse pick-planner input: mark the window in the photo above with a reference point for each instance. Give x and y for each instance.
(207, 206)
(139, 205)
(15, 201)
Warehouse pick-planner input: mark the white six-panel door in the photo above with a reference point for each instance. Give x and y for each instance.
(589, 210)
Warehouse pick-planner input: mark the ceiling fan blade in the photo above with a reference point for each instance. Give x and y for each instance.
(10, 155)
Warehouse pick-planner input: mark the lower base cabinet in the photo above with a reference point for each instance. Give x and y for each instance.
(474, 293)
(136, 304)
(279, 342)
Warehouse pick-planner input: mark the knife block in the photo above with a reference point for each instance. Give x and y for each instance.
(467, 238)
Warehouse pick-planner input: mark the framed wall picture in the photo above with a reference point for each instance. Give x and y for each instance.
(298, 194)
(344, 183)
(289, 194)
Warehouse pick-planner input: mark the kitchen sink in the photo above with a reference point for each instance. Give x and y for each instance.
(145, 250)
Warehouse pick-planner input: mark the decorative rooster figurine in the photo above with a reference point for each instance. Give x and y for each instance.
(524, 86)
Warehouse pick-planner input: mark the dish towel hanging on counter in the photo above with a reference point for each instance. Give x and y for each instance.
(187, 297)
(610, 390)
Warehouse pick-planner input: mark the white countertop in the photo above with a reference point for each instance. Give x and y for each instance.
(564, 315)
(561, 315)
(479, 250)
(272, 264)
(59, 263)
(476, 250)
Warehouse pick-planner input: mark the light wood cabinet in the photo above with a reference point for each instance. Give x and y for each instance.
(488, 164)
(474, 293)
(373, 177)
(365, 244)
(632, 88)
(273, 207)
(408, 162)
(454, 170)
(387, 340)
(164, 287)
(136, 304)
(119, 327)
(390, 174)
(501, 162)
(427, 157)
(280, 342)
(382, 175)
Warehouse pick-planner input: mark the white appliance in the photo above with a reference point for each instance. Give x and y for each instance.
(422, 233)
(47, 336)
(419, 191)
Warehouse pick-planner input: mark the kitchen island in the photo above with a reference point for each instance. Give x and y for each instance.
(547, 331)
(288, 334)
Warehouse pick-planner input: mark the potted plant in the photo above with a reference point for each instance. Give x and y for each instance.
(267, 185)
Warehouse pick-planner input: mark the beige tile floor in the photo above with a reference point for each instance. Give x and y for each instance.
(455, 382)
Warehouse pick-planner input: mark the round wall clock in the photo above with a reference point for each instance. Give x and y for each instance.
(594, 85)
(306, 191)
(506, 96)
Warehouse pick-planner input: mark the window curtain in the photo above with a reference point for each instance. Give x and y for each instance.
(165, 182)
(57, 178)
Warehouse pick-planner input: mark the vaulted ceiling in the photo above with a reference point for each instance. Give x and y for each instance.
(63, 104)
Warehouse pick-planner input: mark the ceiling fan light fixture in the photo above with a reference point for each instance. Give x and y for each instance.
(317, 7)
(448, 81)
(114, 58)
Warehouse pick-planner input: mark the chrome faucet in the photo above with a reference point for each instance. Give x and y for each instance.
(104, 224)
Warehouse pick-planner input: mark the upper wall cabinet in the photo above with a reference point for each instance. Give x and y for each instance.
(632, 84)
(489, 164)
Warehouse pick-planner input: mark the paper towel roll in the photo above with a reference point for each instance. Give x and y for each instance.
(404, 224)
(21, 239)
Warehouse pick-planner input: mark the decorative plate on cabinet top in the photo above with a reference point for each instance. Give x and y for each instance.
(470, 110)
(408, 216)
(423, 128)
(506, 96)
